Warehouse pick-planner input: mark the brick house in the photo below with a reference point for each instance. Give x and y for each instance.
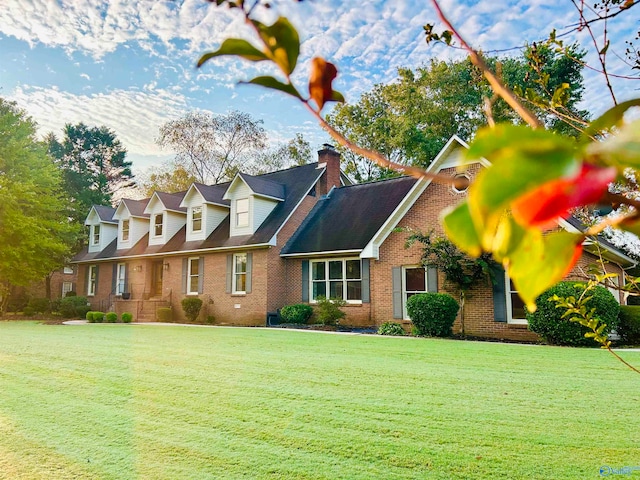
(252, 245)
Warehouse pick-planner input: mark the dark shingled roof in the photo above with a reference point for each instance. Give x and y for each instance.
(263, 186)
(213, 193)
(296, 181)
(136, 207)
(172, 200)
(349, 217)
(105, 213)
(577, 223)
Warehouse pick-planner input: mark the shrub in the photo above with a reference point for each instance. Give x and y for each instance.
(211, 319)
(433, 314)
(127, 317)
(191, 307)
(391, 328)
(164, 314)
(629, 324)
(298, 313)
(17, 303)
(111, 317)
(547, 320)
(28, 311)
(71, 293)
(89, 316)
(74, 307)
(39, 305)
(329, 312)
(98, 317)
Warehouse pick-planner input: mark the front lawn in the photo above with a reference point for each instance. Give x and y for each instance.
(128, 401)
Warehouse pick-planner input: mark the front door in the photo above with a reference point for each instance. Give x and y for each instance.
(156, 279)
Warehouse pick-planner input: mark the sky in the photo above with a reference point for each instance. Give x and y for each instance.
(130, 64)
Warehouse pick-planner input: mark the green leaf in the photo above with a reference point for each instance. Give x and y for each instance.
(459, 227)
(337, 97)
(275, 84)
(507, 239)
(283, 41)
(541, 261)
(608, 119)
(237, 47)
(622, 149)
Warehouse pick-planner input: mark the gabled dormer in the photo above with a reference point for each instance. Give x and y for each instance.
(103, 229)
(206, 209)
(133, 223)
(166, 216)
(252, 200)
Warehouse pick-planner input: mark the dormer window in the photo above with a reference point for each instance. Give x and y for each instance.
(157, 225)
(125, 230)
(95, 239)
(196, 219)
(242, 212)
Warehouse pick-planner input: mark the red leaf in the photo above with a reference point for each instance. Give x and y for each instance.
(541, 206)
(322, 75)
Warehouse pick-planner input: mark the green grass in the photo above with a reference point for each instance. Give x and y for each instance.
(127, 401)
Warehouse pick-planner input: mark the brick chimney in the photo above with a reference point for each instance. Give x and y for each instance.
(330, 158)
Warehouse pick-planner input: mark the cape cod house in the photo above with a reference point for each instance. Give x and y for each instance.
(252, 245)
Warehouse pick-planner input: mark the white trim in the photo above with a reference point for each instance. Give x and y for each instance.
(247, 212)
(65, 290)
(234, 273)
(507, 293)
(153, 225)
(91, 292)
(121, 269)
(190, 217)
(327, 280)
(189, 275)
(322, 254)
(403, 291)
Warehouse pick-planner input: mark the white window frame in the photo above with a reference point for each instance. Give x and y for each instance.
(508, 291)
(239, 212)
(237, 274)
(327, 281)
(405, 315)
(121, 273)
(125, 238)
(67, 270)
(156, 224)
(95, 235)
(91, 280)
(195, 210)
(191, 275)
(66, 288)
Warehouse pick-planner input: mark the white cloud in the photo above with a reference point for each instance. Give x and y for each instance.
(85, 76)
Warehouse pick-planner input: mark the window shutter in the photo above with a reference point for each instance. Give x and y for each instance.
(249, 268)
(432, 279)
(366, 292)
(126, 278)
(229, 272)
(396, 279)
(97, 271)
(200, 274)
(114, 278)
(73, 287)
(305, 280)
(185, 266)
(499, 295)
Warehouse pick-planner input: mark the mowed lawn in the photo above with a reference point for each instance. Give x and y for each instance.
(129, 401)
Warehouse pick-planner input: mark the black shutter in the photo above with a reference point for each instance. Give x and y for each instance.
(114, 278)
(499, 295)
(305, 280)
(396, 282)
(249, 268)
(366, 292)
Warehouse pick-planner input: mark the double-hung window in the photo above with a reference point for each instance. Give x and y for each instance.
(157, 224)
(121, 279)
(239, 273)
(95, 239)
(516, 312)
(92, 280)
(196, 219)
(125, 230)
(66, 288)
(193, 275)
(242, 212)
(337, 278)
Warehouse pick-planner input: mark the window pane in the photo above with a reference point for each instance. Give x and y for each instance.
(196, 213)
(335, 289)
(242, 219)
(193, 283)
(415, 280)
(517, 307)
(318, 272)
(242, 205)
(354, 290)
(335, 270)
(194, 264)
(353, 269)
(241, 263)
(158, 225)
(241, 282)
(319, 289)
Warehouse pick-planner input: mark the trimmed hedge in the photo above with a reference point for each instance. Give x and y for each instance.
(629, 324)
(433, 314)
(191, 307)
(126, 317)
(111, 317)
(298, 313)
(547, 320)
(164, 314)
(391, 328)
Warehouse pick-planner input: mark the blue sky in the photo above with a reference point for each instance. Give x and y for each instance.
(130, 65)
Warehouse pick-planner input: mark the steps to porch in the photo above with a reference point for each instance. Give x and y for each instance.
(142, 310)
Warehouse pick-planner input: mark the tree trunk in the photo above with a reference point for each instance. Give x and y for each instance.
(47, 284)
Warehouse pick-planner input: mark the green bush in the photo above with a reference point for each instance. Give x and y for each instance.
(111, 317)
(28, 311)
(391, 328)
(433, 314)
(71, 293)
(211, 319)
(39, 305)
(74, 307)
(17, 303)
(633, 300)
(547, 320)
(298, 313)
(89, 316)
(164, 314)
(329, 312)
(629, 324)
(191, 307)
(127, 317)
(98, 317)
